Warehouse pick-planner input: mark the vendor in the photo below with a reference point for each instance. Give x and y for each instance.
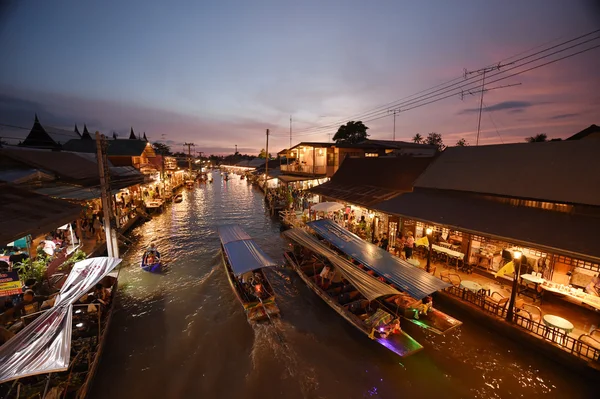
(593, 287)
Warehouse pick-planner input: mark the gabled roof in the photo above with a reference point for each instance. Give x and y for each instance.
(77, 130)
(366, 181)
(593, 130)
(556, 171)
(48, 136)
(86, 135)
(116, 147)
(132, 135)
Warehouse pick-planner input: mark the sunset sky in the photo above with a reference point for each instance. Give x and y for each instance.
(219, 73)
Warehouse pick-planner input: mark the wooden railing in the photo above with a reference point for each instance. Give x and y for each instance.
(524, 320)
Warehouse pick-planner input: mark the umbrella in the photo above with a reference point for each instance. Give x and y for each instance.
(327, 207)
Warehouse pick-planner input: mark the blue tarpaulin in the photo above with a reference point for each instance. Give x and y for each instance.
(410, 279)
(242, 252)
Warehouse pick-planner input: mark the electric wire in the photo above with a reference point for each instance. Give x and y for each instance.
(429, 93)
(422, 102)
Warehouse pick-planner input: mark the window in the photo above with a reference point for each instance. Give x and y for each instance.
(371, 154)
(578, 263)
(330, 159)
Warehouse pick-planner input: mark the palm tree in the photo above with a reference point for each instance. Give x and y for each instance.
(538, 138)
(417, 138)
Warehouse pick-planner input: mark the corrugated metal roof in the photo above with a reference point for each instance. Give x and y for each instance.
(556, 231)
(24, 212)
(242, 252)
(410, 279)
(556, 171)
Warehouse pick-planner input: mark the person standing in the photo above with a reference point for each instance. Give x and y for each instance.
(410, 243)
(384, 243)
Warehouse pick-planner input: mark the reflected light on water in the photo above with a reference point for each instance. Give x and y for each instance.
(183, 334)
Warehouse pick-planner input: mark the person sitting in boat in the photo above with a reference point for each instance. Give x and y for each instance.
(152, 254)
(389, 329)
(324, 275)
(422, 308)
(101, 294)
(257, 285)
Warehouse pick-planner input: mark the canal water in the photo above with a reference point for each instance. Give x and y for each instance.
(184, 335)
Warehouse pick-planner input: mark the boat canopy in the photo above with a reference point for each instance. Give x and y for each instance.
(410, 279)
(242, 252)
(369, 286)
(44, 346)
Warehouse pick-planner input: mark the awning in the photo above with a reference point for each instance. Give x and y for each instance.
(242, 252)
(292, 179)
(369, 286)
(44, 346)
(74, 193)
(355, 194)
(572, 235)
(24, 212)
(410, 279)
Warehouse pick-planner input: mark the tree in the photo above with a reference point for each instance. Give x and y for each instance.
(436, 140)
(462, 143)
(263, 154)
(351, 133)
(161, 148)
(417, 138)
(538, 138)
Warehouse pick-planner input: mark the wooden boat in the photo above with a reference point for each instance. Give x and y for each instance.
(178, 198)
(355, 295)
(151, 262)
(393, 271)
(244, 262)
(154, 205)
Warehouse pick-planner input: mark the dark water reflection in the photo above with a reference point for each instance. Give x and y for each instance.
(183, 334)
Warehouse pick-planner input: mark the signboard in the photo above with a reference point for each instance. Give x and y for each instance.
(10, 284)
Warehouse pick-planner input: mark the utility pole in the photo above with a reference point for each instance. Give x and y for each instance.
(235, 153)
(267, 162)
(189, 146)
(482, 71)
(112, 245)
(288, 151)
(394, 111)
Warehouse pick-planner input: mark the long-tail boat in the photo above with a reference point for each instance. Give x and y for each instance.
(244, 262)
(414, 283)
(351, 292)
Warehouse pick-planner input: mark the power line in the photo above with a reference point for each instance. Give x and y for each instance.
(453, 92)
(430, 93)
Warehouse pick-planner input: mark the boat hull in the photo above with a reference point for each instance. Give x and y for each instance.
(152, 268)
(401, 343)
(256, 311)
